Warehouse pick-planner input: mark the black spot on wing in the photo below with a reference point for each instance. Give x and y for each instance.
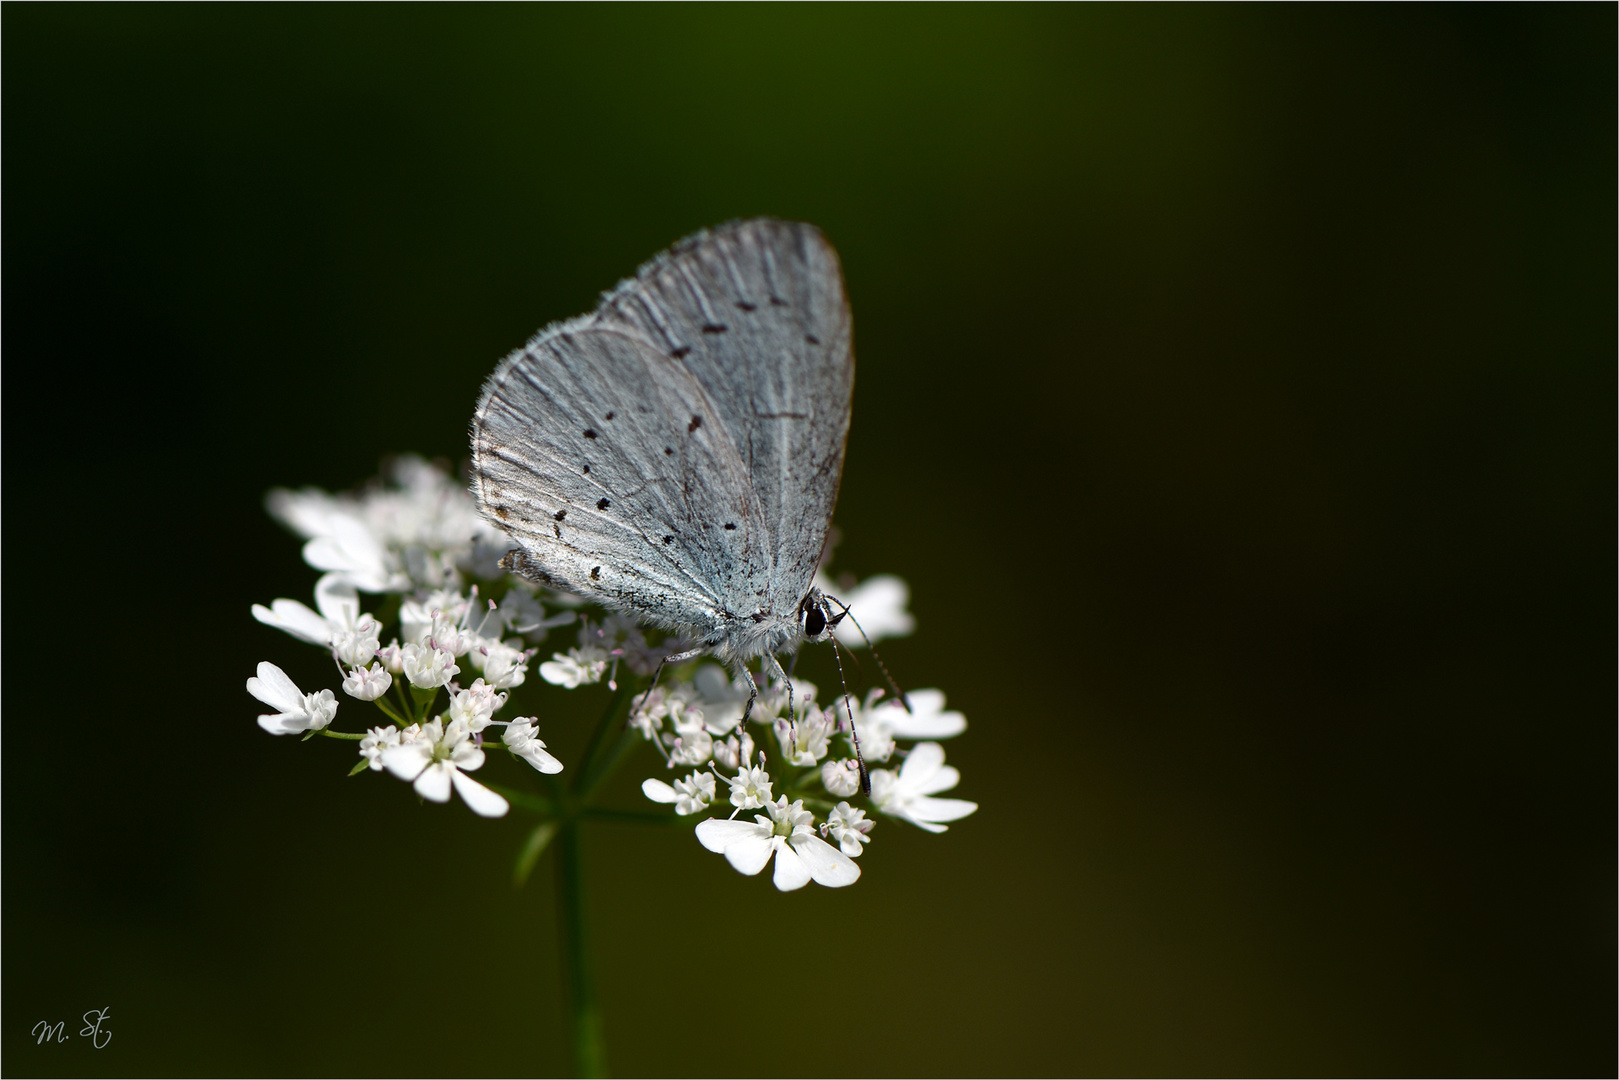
(589, 434)
(696, 422)
(680, 352)
(609, 416)
(730, 526)
(560, 514)
(811, 338)
(602, 504)
(595, 573)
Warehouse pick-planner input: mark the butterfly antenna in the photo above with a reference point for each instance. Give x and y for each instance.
(903, 700)
(854, 733)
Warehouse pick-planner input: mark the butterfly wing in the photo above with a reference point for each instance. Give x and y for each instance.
(677, 453)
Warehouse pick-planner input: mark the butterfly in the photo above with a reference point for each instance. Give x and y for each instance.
(676, 453)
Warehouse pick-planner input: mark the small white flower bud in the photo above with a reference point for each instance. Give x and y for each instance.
(393, 658)
(750, 789)
(520, 737)
(376, 741)
(575, 668)
(356, 645)
(841, 778)
(504, 666)
(695, 793)
(848, 826)
(692, 746)
(428, 667)
(367, 685)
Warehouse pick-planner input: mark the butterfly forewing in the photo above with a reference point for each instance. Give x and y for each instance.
(677, 453)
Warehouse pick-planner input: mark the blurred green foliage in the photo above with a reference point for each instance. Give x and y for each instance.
(1236, 390)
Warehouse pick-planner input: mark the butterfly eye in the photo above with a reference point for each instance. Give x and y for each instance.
(814, 622)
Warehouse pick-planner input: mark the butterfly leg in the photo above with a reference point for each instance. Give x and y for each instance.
(792, 717)
(677, 658)
(742, 672)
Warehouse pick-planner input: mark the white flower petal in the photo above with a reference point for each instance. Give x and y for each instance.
(749, 854)
(536, 755)
(925, 760)
(466, 756)
(942, 780)
(275, 689)
(927, 718)
(716, 834)
(350, 548)
(879, 603)
(407, 760)
(337, 600)
(825, 863)
(305, 512)
(434, 783)
(283, 723)
(791, 871)
(484, 803)
(295, 619)
(923, 808)
(658, 791)
(560, 673)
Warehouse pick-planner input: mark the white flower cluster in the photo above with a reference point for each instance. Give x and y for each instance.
(415, 541)
(416, 527)
(602, 647)
(698, 724)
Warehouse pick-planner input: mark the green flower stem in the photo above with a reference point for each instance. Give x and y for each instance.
(589, 775)
(624, 744)
(539, 838)
(589, 1046)
(354, 736)
(423, 697)
(404, 702)
(391, 712)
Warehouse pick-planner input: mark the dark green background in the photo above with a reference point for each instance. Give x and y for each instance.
(1236, 391)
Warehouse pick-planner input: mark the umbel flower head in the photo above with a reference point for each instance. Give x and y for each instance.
(816, 770)
(781, 787)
